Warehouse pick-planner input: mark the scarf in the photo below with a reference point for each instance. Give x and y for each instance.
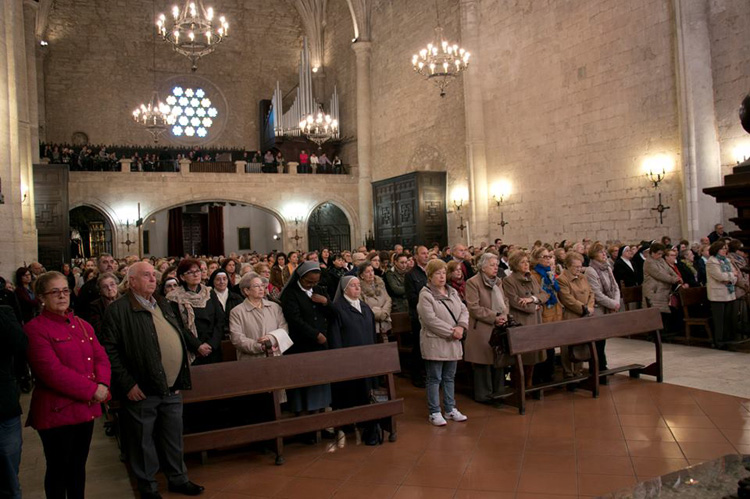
(498, 299)
(604, 273)
(549, 283)
(726, 266)
(688, 265)
(377, 287)
(187, 301)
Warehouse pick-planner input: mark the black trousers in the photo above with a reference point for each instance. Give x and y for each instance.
(66, 450)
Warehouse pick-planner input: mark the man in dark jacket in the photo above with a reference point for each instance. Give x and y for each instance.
(415, 280)
(147, 347)
(90, 291)
(12, 342)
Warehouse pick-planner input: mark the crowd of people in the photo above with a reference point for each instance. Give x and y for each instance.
(131, 328)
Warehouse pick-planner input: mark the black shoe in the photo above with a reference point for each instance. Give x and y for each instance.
(150, 495)
(188, 488)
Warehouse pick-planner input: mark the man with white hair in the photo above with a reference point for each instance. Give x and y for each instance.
(147, 347)
(358, 258)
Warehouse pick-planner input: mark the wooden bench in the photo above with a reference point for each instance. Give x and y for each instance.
(227, 380)
(632, 295)
(696, 312)
(588, 330)
(401, 326)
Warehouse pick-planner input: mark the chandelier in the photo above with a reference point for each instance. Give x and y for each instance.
(319, 128)
(153, 117)
(441, 61)
(192, 31)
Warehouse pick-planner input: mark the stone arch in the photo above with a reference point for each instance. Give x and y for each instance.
(339, 240)
(109, 215)
(89, 248)
(360, 11)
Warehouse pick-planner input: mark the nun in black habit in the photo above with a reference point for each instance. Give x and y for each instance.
(308, 313)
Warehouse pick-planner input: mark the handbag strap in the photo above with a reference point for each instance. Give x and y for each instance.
(449, 311)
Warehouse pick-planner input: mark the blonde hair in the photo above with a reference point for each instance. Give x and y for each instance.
(515, 259)
(452, 266)
(433, 266)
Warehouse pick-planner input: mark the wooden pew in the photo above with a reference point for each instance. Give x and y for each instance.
(587, 330)
(228, 380)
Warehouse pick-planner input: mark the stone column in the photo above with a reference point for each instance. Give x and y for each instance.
(363, 51)
(701, 161)
(476, 153)
(30, 10)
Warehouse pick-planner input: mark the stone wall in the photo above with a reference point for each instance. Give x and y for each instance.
(99, 66)
(577, 94)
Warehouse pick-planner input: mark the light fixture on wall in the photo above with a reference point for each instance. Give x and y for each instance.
(319, 128)
(459, 199)
(193, 30)
(500, 192)
(741, 153)
(132, 217)
(656, 168)
(441, 61)
(154, 115)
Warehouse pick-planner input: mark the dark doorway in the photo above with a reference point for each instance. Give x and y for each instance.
(329, 228)
(90, 233)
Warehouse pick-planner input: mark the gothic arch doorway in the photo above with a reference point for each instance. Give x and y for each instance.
(328, 227)
(90, 233)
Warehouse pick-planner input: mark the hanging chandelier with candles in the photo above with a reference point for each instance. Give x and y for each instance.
(441, 61)
(154, 116)
(319, 128)
(192, 31)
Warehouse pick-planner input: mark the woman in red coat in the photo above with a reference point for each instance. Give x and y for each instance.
(72, 380)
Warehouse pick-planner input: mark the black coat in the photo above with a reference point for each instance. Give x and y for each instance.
(129, 337)
(700, 266)
(623, 273)
(414, 281)
(233, 300)
(305, 318)
(13, 341)
(687, 275)
(351, 328)
(209, 323)
(638, 262)
(88, 293)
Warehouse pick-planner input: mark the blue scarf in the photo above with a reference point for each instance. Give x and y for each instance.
(549, 283)
(726, 266)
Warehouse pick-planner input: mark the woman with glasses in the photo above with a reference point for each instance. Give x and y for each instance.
(199, 308)
(543, 272)
(72, 380)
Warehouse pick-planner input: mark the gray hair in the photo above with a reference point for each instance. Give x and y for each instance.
(485, 259)
(248, 278)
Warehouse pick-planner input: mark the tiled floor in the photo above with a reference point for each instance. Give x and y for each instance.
(568, 445)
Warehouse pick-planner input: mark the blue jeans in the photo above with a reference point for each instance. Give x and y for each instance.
(441, 372)
(10, 457)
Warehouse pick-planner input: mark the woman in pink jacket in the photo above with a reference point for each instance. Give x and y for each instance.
(72, 380)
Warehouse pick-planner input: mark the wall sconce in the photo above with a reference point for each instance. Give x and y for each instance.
(741, 153)
(24, 193)
(656, 168)
(500, 192)
(460, 196)
(128, 217)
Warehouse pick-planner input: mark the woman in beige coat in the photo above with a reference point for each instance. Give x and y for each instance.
(525, 298)
(659, 280)
(444, 320)
(488, 307)
(376, 297)
(606, 290)
(721, 288)
(578, 299)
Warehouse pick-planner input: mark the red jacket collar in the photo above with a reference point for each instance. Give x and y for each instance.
(68, 317)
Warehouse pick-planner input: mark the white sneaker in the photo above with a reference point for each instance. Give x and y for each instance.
(437, 419)
(456, 415)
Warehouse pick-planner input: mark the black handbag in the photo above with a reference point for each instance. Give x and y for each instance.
(499, 336)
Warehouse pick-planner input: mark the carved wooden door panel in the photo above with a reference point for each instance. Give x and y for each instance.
(51, 204)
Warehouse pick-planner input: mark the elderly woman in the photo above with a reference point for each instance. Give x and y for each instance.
(219, 282)
(376, 297)
(576, 296)
(659, 281)
(685, 264)
(199, 308)
(543, 272)
(72, 380)
(721, 288)
(488, 307)
(444, 320)
(108, 292)
(308, 313)
(606, 291)
(525, 298)
(353, 326)
(257, 323)
(264, 270)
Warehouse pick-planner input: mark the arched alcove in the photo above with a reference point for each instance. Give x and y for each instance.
(91, 232)
(328, 227)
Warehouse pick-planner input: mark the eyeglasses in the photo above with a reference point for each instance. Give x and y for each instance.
(58, 292)
(192, 272)
(256, 286)
(546, 257)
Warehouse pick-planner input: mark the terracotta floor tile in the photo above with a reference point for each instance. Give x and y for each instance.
(530, 495)
(551, 445)
(393, 454)
(615, 433)
(309, 488)
(589, 447)
(548, 483)
(650, 434)
(441, 458)
(453, 443)
(597, 485)
(510, 444)
(741, 437)
(331, 469)
(648, 466)
(548, 463)
(742, 448)
(698, 435)
(680, 421)
(552, 431)
(681, 409)
(725, 410)
(647, 448)
(487, 479)
(607, 421)
(637, 409)
(254, 482)
(496, 461)
(435, 476)
(605, 465)
(733, 422)
(381, 474)
(414, 492)
(350, 490)
(706, 450)
(642, 421)
(483, 494)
